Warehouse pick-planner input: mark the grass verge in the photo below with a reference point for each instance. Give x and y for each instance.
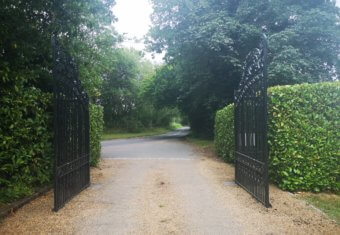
(328, 203)
(175, 125)
(114, 134)
(204, 144)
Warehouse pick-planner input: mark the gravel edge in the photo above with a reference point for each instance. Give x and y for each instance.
(12, 207)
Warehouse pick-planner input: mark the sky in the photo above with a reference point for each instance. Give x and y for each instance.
(134, 21)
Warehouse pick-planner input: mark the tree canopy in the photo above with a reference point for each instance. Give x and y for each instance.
(26, 82)
(206, 42)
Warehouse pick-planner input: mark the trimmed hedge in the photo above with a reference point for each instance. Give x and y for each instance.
(25, 141)
(26, 150)
(96, 130)
(224, 133)
(303, 136)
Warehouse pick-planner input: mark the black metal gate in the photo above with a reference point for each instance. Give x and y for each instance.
(251, 148)
(71, 129)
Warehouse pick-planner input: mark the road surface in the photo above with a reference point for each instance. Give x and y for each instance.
(162, 185)
(161, 191)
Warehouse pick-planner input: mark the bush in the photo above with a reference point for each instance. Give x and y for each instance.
(144, 117)
(96, 130)
(224, 133)
(25, 141)
(303, 136)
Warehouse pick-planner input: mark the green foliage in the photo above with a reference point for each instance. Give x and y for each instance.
(26, 80)
(96, 131)
(162, 87)
(149, 116)
(224, 133)
(303, 136)
(206, 43)
(122, 134)
(129, 95)
(175, 124)
(25, 140)
(120, 87)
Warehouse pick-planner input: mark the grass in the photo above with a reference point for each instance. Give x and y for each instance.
(123, 134)
(328, 203)
(117, 134)
(200, 142)
(175, 125)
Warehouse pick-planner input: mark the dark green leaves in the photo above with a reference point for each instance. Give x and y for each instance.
(303, 136)
(224, 133)
(207, 41)
(26, 80)
(96, 130)
(25, 141)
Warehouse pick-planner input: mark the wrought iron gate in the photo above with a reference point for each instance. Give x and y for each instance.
(251, 148)
(71, 129)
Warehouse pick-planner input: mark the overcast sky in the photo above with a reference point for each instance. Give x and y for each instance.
(134, 20)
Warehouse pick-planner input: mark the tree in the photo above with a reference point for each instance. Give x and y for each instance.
(26, 80)
(206, 42)
(119, 89)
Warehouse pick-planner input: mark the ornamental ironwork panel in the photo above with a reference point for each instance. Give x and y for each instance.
(71, 129)
(251, 148)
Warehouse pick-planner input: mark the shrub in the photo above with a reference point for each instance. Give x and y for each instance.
(303, 136)
(96, 130)
(25, 141)
(145, 116)
(224, 133)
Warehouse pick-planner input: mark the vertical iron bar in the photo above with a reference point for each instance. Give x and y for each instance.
(265, 128)
(71, 128)
(250, 122)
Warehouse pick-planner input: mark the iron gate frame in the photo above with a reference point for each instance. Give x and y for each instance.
(250, 125)
(71, 128)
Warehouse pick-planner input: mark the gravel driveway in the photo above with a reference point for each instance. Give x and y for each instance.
(162, 185)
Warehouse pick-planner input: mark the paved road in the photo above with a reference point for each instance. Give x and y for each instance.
(162, 146)
(159, 190)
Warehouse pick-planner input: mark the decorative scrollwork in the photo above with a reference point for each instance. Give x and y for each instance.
(251, 153)
(66, 74)
(253, 71)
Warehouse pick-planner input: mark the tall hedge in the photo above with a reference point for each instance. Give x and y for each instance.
(224, 133)
(96, 130)
(303, 136)
(25, 140)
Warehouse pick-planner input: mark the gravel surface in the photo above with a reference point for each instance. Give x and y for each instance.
(165, 186)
